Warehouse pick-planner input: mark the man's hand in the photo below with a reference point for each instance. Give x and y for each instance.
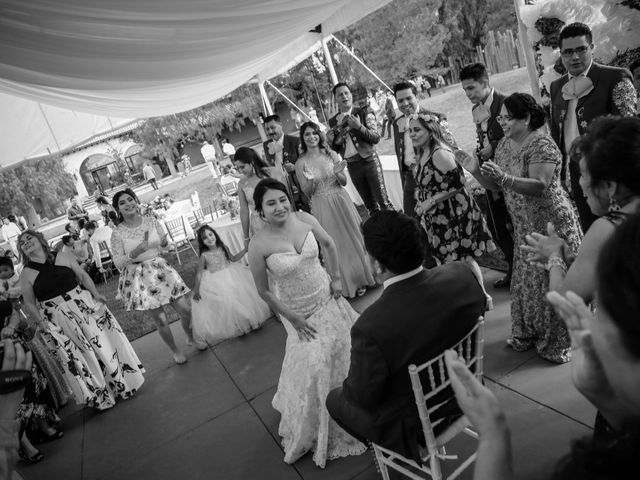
(354, 122)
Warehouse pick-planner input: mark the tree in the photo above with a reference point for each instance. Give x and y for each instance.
(160, 135)
(400, 39)
(43, 183)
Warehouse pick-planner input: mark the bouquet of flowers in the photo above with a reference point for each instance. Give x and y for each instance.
(232, 206)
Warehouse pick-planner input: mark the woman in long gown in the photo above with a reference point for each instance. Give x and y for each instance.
(98, 361)
(526, 168)
(285, 266)
(253, 169)
(320, 172)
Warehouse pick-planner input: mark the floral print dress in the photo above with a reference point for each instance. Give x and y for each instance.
(148, 281)
(534, 322)
(455, 227)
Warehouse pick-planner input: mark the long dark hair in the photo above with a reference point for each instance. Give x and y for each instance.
(116, 198)
(249, 155)
(432, 125)
(313, 126)
(219, 243)
(263, 186)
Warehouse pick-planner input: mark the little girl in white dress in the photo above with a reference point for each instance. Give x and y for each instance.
(225, 301)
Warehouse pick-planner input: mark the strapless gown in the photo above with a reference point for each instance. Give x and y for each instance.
(310, 370)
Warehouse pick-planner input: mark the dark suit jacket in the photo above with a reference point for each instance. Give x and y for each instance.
(398, 138)
(605, 98)
(413, 321)
(494, 130)
(289, 152)
(364, 138)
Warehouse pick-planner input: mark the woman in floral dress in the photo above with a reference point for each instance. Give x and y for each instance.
(147, 281)
(455, 227)
(527, 168)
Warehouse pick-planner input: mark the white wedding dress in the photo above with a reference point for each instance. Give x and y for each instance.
(310, 370)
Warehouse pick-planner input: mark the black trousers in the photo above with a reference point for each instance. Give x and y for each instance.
(153, 183)
(366, 174)
(584, 212)
(497, 220)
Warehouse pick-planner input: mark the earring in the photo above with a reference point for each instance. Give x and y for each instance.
(614, 206)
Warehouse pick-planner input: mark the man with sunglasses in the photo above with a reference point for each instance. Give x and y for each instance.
(588, 90)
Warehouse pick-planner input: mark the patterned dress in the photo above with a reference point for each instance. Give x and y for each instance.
(455, 227)
(148, 281)
(535, 323)
(98, 361)
(310, 370)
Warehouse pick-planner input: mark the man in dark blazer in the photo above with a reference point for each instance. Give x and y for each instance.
(353, 133)
(420, 314)
(588, 90)
(487, 103)
(287, 145)
(406, 96)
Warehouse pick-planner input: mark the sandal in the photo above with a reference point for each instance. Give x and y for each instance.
(361, 291)
(179, 358)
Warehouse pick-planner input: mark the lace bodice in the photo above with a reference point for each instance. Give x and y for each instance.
(215, 260)
(248, 193)
(124, 239)
(323, 174)
(298, 279)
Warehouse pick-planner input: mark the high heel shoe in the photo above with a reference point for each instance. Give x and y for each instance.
(35, 458)
(42, 437)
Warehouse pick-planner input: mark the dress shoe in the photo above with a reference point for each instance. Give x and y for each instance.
(503, 282)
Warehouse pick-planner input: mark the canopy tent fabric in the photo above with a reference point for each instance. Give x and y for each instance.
(140, 58)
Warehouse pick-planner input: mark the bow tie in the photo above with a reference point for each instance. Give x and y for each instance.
(481, 113)
(577, 87)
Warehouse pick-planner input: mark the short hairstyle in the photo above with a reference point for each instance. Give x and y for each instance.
(102, 200)
(474, 71)
(573, 30)
(272, 118)
(248, 155)
(521, 105)
(66, 239)
(404, 85)
(67, 227)
(314, 126)
(263, 186)
(81, 223)
(611, 150)
(7, 262)
(200, 239)
(618, 279)
(337, 86)
(90, 225)
(395, 240)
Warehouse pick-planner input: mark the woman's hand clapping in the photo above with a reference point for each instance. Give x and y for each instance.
(339, 166)
(542, 247)
(491, 170)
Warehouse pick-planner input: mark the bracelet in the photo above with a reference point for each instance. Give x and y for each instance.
(556, 262)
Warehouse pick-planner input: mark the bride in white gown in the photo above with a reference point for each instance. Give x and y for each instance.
(284, 262)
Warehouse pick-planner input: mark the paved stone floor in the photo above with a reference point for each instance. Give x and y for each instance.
(212, 417)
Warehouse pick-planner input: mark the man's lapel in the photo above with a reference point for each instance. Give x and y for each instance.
(593, 75)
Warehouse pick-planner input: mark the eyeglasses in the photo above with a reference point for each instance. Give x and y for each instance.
(569, 52)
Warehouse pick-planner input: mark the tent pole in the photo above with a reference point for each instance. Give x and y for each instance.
(265, 98)
(329, 61)
(529, 59)
(293, 104)
(362, 63)
(44, 115)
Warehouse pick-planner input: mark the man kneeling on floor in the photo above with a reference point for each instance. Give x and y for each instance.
(419, 315)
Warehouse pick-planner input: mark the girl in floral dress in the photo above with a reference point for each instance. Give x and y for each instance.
(147, 281)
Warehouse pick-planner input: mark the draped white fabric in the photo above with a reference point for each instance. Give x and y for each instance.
(141, 58)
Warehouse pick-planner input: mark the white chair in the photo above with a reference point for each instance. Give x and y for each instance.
(470, 350)
(204, 216)
(178, 234)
